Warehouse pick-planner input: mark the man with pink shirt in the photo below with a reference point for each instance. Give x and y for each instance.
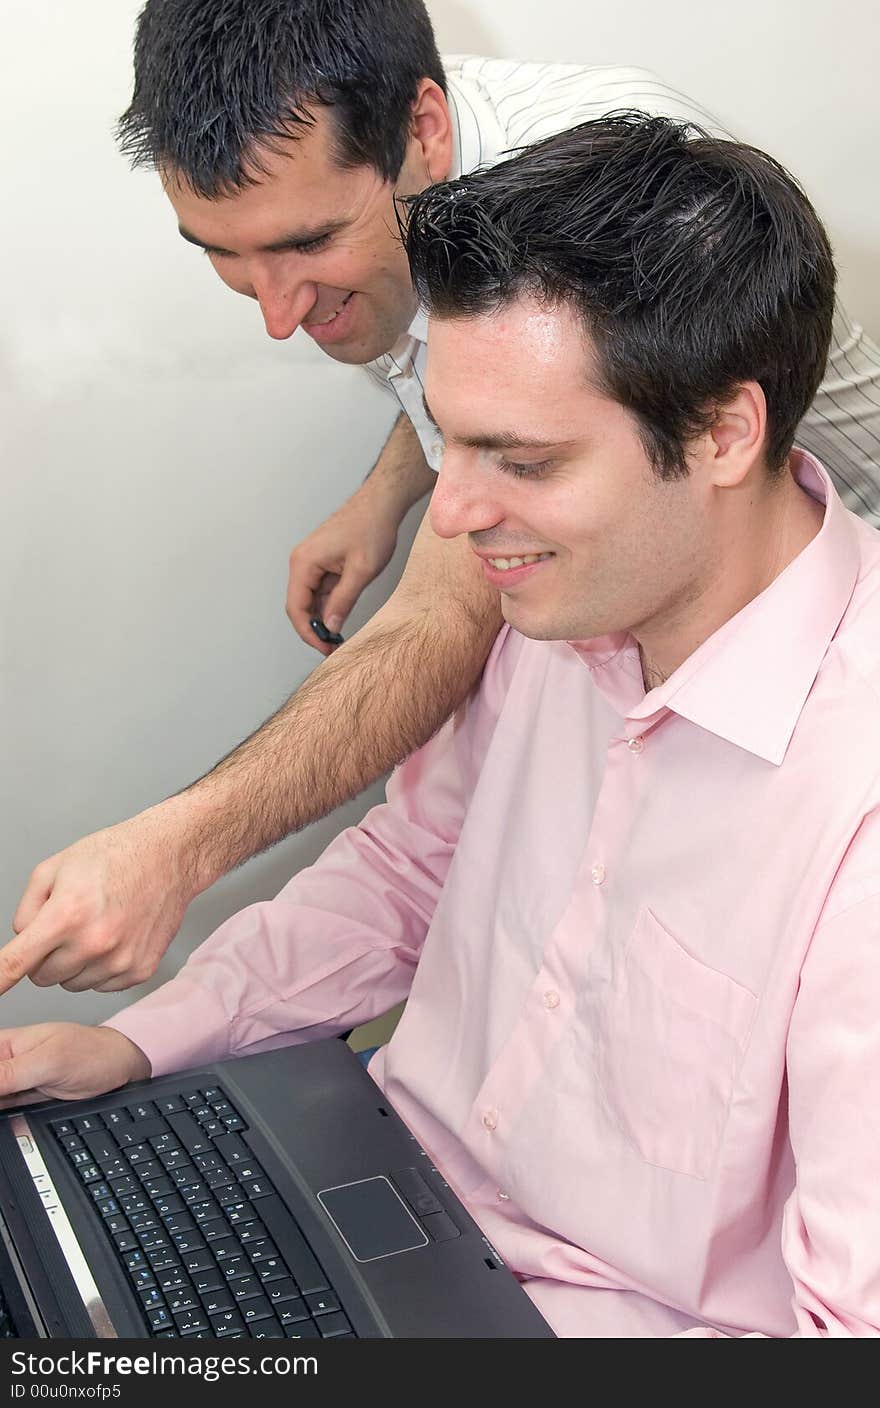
(631, 889)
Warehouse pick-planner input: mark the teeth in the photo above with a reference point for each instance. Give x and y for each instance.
(322, 323)
(504, 564)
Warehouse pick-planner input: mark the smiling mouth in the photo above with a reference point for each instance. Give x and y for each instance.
(505, 564)
(324, 322)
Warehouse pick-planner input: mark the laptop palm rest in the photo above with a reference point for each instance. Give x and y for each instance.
(372, 1219)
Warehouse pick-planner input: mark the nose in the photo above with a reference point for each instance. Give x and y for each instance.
(283, 307)
(464, 499)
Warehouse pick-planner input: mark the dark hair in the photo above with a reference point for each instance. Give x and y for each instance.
(695, 263)
(214, 79)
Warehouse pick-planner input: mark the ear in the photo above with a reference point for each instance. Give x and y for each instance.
(735, 441)
(430, 143)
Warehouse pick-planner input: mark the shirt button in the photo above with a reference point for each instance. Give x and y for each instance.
(551, 1000)
(490, 1119)
(635, 745)
(597, 874)
(502, 1196)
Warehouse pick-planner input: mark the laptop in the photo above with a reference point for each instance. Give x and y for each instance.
(272, 1196)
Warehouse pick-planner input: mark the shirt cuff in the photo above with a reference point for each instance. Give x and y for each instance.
(178, 1026)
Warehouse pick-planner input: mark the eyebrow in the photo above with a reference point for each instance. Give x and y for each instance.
(295, 240)
(501, 440)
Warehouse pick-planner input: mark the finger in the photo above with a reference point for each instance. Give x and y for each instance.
(344, 595)
(102, 975)
(302, 584)
(24, 954)
(37, 892)
(31, 1069)
(24, 1097)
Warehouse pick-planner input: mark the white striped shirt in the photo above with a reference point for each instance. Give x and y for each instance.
(497, 105)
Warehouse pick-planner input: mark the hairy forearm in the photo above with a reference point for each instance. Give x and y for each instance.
(369, 705)
(401, 472)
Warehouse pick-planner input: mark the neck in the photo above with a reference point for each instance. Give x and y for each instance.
(757, 533)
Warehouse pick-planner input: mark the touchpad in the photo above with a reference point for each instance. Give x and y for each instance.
(372, 1219)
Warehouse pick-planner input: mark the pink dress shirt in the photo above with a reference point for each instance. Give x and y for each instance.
(640, 939)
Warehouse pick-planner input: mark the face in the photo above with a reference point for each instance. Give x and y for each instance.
(317, 246)
(551, 482)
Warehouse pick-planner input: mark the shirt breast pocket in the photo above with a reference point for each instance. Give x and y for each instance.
(671, 1041)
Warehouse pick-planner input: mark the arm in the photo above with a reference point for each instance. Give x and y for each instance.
(331, 567)
(842, 427)
(338, 945)
(101, 913)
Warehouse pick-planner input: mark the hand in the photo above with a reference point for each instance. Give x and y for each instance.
(331, 567)
(64, 1061)
(101, 913)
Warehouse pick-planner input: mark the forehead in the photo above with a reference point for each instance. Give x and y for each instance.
(297, 178)
(524, 355)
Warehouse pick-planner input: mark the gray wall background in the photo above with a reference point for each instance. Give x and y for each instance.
(159, 456)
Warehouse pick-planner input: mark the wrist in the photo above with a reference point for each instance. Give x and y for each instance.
(182, 824)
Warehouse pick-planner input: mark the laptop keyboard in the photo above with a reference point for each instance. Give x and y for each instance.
(207, 1244)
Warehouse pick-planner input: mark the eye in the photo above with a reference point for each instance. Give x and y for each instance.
(312, 246)
(525, 471)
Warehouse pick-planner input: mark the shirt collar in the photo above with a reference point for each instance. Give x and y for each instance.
(749, 681)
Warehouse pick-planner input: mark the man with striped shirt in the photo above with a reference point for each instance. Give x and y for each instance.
(290, 184)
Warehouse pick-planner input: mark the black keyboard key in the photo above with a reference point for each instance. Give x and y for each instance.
(150, 1168)
(155, 1239)
(143, 1279)
(302, 1330)
(80, 1157)
(90, 1173)
(322, 1303)
(205, 1162)
(251, 1232)
(113, 1168)
(184, 1176)
(107, 1207)
(240, 1212)
(248, 1168)
(145, 1221)
(224, 1248)
(168, 1104)
(247, 1288)
(195, 1193)
(229, 1195)
(217, 1230)
(186, 1242)
(162, 1260)
(267, 1330)
(204, 1212)
(160, 1319)
(264, 1250)
(214, 1127)
(101, 1145)
(217, 1300)
(207, 1281)
(164, 1141)
(135, 1261)
(234, 1268)
(126, 1241)
(198, 1261)
(126, 1184)
(202, 1113)
(233, 1122)
(151, 1298)
(192, 1098)
(100, 1191)
(139, 1132)
(179, 1222)
(211, 1093)
(172, 1280)
(72, 1141)
(292, 1245)
(174, 1158)
(192, 1137)
(133, 1202)
(168, 1205)
(184, 1299)
(232, 1149)
(116, 1119)
(271, 1269)
(139, 1154)
(227, 1323)
(331, 1325)
(292, 1312)
(158, 1187)
(256, 1309)
(189, 1321)
(87, 1124)
(116, 1223)
(62, 1128)
(256, 1187)
(219, 1177)
(283, 1290)
(145, 1110)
